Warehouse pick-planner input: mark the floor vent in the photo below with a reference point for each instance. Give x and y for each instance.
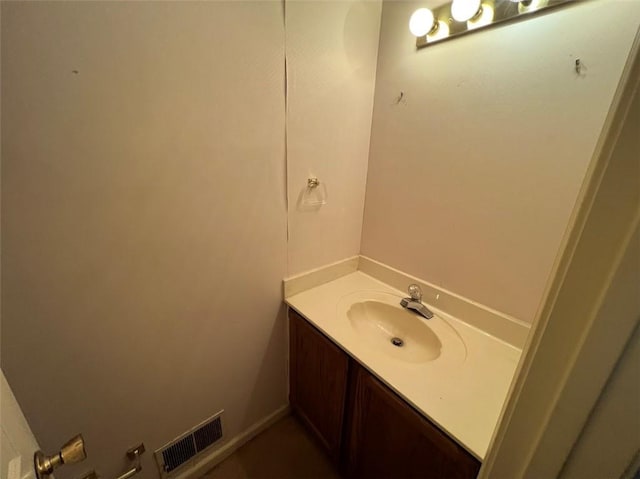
(182, 450)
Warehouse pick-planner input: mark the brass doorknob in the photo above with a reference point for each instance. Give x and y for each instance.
(73, 451)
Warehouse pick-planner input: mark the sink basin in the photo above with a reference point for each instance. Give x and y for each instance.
(381, 323)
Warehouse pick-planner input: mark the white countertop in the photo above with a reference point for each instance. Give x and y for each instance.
(463, 398)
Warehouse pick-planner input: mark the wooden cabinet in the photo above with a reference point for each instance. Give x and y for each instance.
(389, 439)
(318, 372)
(366, 428)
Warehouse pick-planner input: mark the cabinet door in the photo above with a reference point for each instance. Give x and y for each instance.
(318, 374)
(388, 439)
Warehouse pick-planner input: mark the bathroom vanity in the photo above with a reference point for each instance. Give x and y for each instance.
(388, 393)
(367, 429)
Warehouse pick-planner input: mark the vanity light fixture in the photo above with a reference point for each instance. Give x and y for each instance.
(459, 17)
(463, 10)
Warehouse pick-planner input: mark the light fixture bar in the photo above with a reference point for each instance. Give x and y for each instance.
(502, 11)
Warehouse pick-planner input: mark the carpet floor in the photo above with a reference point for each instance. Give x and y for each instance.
(284, 451)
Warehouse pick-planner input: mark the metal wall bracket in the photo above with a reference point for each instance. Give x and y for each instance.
(135, 452)
(134, 455)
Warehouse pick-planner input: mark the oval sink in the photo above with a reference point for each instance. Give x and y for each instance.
(379, 320)
(382, 323)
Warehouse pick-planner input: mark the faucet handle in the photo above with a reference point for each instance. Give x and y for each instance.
(415, 292)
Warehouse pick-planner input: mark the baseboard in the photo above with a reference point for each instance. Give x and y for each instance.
(208, 462)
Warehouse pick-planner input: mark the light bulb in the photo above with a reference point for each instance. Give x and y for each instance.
(485, 18)
(421, 22)
(463, 10)
(531, 5)
(441, 31)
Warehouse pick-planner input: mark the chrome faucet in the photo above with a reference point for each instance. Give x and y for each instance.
(414, 302)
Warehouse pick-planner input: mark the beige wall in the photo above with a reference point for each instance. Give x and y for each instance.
(144, 205)
(472, 176)
(590, 311)
(331, 59)
(143, 219)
